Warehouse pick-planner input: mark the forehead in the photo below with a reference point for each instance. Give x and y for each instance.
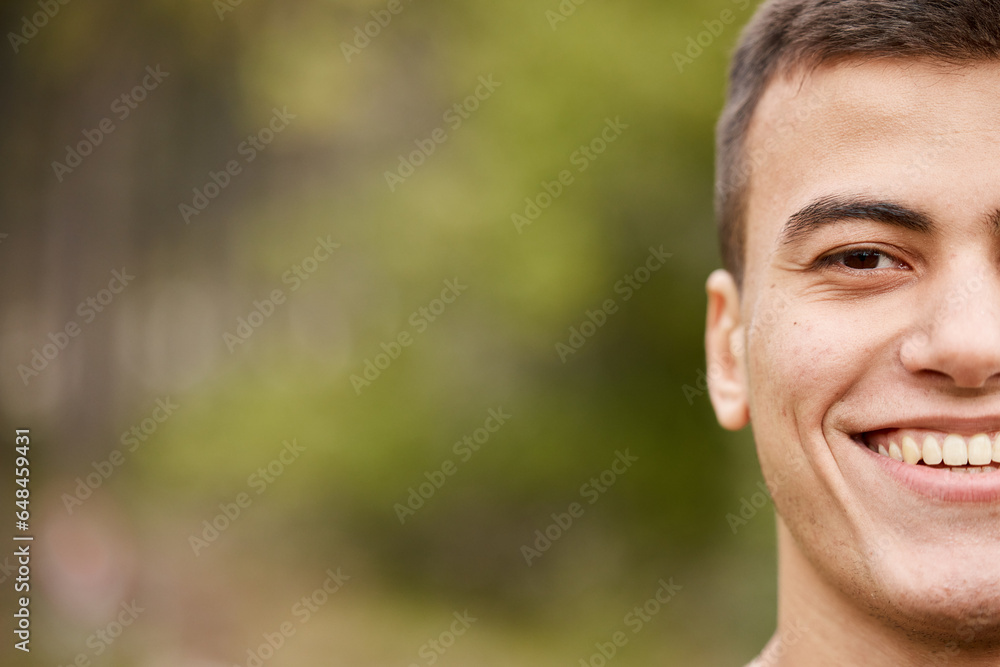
(921, 133)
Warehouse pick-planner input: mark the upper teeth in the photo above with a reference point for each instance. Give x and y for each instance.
(955, 450)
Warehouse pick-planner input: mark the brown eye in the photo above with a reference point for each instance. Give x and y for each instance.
(863, 259)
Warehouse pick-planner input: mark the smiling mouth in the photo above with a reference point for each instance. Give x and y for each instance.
(979, 453)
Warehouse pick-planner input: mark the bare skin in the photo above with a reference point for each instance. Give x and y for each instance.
(870, 313)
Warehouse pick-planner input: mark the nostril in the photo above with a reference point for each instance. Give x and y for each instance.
(959, 354)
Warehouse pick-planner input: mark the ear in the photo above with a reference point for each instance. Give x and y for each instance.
(727, 384)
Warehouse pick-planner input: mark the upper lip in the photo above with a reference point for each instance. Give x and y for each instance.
(970, 425)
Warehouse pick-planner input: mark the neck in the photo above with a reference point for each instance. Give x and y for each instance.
(820, 625)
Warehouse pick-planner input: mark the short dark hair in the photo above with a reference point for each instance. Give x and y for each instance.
(787, 34)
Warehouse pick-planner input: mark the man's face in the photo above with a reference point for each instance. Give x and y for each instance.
(870, 315)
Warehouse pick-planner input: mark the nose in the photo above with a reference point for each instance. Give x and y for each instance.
(958, 334)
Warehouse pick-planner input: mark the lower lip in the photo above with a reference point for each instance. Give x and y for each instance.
(937, 484)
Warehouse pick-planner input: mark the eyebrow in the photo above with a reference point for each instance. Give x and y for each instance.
(837, 208)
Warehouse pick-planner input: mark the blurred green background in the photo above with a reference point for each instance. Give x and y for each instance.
(354, 106)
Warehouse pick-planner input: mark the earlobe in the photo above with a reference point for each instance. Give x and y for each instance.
(727, 384)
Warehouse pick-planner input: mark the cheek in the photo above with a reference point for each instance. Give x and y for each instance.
(801, 364)
(801, 361)
(786, 363)
(802, 358)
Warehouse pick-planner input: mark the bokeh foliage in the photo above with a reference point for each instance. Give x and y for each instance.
(495, 346)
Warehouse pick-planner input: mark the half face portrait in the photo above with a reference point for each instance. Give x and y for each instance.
(856, 326)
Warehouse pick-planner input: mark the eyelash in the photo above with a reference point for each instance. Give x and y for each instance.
(835, 260)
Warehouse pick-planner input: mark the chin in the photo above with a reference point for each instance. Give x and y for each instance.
(947, 593)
